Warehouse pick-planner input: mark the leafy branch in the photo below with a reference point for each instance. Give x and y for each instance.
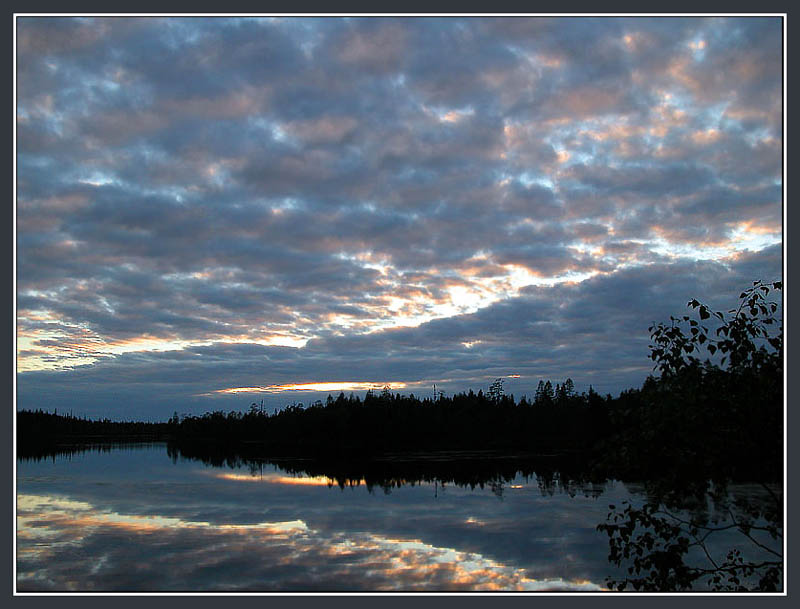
(740, 338)
(655, 546)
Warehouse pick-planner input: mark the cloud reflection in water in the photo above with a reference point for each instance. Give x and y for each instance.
(69, 545)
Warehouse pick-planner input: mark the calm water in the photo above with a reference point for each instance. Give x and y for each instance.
(135, 519)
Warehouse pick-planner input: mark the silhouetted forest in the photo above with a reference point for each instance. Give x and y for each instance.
(349, 425)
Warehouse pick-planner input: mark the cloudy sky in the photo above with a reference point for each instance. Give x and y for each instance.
(212, 211)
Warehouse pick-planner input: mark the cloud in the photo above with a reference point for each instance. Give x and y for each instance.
(373, 184)
(594, 331)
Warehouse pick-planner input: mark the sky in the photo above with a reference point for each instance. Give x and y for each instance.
(217, 211)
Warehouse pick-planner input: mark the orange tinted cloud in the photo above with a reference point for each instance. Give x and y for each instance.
(325, 386)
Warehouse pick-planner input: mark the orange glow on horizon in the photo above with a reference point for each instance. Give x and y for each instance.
(331, 386)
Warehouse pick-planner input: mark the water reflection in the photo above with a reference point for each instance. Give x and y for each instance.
(141, 520)
(278, 479)
(476, 470)
(68, 545)
(133, 520)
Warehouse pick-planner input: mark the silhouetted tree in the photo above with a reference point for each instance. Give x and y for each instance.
(495, 393)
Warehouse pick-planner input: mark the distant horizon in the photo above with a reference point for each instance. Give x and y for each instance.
(215, 211)
(273, 402)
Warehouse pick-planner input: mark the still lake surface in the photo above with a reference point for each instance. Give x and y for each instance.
(138, 518)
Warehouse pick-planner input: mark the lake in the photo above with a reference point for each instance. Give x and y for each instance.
(142, 518)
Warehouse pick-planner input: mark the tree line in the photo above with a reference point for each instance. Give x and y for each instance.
(388, 421)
